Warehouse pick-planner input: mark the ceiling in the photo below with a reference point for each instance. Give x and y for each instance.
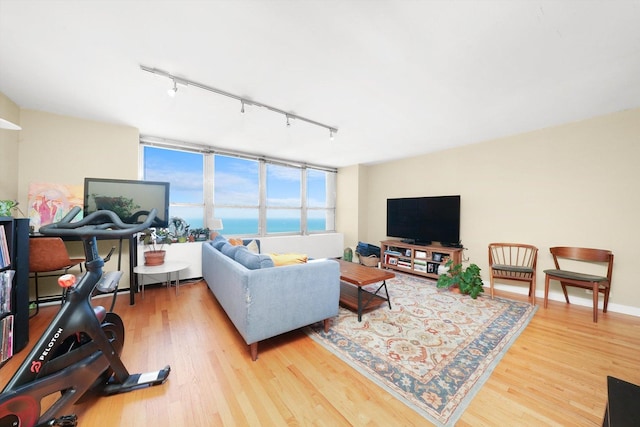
(397, 78)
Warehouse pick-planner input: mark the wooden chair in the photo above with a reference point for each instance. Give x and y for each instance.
(514, 261)
(598, 284)
(48, 255)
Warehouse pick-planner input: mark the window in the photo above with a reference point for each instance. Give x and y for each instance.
(252, 196)
(184, 171)
(284, 201)
(236, 194)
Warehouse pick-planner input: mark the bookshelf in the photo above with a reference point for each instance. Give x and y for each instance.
(14, 286)
(417, 259)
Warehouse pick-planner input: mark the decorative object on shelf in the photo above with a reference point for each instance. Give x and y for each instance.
(348, 254)
(154, 240)
(468, 279)
(200, 234)
(6, 206)
(214, 224)
(178, 229)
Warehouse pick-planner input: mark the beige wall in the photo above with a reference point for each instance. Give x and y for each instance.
(9, 150)
(574, 185)
(64, 150)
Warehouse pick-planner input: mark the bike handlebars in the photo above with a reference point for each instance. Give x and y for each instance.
(110, 225)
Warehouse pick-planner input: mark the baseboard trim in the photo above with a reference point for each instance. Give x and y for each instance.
(559, 296)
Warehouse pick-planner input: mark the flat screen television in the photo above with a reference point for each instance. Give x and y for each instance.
(424, 220)
(131, 200)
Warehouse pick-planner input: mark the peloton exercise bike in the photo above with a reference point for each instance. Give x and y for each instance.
(79, 353)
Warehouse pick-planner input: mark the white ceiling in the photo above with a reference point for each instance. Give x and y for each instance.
(397, 78)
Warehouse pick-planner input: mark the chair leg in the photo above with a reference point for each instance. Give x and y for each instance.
(595, 302)
(546, 290)
(532, 292)
(606, 299)
(491, 284)
(564, 290)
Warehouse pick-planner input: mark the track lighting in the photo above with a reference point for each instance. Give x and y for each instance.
(172, 91)
(243, 100)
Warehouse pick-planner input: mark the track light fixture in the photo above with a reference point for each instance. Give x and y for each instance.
(172, 92)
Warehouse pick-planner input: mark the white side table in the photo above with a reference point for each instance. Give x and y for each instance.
(167, 268)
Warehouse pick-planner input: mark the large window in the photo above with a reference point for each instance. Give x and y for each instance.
(185, 172)
(252, 196)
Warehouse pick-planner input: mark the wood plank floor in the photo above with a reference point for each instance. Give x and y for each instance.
(554, 374)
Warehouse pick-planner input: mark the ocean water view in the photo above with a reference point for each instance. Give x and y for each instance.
(248, 226)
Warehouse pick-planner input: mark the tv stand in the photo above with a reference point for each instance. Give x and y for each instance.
(422, 260)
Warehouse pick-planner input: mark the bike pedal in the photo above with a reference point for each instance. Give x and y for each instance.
(64, 421)
(136, 381)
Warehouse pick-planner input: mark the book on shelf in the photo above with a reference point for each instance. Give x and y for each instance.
(6, 338)
(422, 268)
(393, 252)
(420, 254)
(420, 262)
(5, 258)
(6, 283)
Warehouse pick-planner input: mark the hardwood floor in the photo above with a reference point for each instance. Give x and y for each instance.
(554, 374)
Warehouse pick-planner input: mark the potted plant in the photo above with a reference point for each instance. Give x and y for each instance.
(154, 241)
(468, 279)
(6, 206)
(178, 229)
(200, 234)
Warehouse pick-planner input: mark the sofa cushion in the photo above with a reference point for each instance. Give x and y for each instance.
(218, 241)
(252, 261)
(288, 259)
(229, 250)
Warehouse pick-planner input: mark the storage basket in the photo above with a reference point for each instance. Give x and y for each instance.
(369, 261)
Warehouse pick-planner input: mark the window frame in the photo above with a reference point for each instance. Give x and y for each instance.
(209, 207)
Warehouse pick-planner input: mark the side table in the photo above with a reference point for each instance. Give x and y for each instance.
(167, 268)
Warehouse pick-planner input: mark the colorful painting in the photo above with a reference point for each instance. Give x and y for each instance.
(49, 202)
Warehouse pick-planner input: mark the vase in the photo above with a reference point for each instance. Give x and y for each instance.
(152, 258)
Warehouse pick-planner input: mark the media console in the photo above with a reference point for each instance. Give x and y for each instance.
(417, 259)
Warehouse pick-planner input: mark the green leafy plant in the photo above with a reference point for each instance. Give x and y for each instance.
(6, 206)
(468, 279)
(155, 239)
(200, 234)
(178, 229)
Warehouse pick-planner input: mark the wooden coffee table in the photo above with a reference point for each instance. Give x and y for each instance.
(353, 277)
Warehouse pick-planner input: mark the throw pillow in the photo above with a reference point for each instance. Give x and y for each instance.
(253, 247)
(218, 241)
(288, 259)
(253, 261)
(236, 242)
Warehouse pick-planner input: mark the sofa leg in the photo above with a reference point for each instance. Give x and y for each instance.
(254, 351)
(327, 325)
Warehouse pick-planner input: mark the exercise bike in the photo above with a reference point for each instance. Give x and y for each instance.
(79, 353)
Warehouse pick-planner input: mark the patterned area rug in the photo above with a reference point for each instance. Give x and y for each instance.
(433, 350)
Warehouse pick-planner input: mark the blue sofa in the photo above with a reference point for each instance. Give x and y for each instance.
(263, 300)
